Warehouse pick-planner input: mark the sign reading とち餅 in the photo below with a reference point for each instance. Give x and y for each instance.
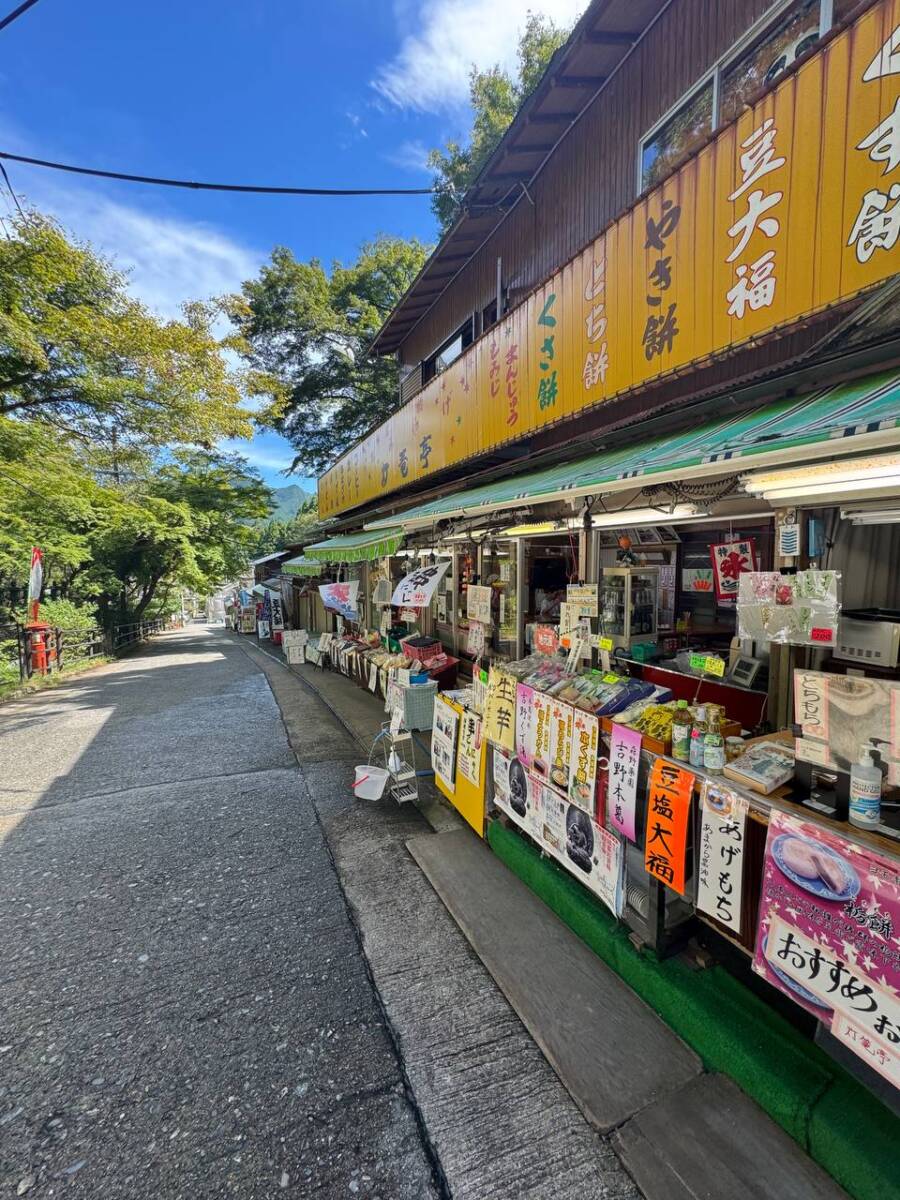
(703, 264)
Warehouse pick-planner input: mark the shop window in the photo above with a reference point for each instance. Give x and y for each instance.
(489, 316)
(755, 62)
(781, 46)
(447, 353)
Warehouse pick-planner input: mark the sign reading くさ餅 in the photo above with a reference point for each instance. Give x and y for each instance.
(701, 265)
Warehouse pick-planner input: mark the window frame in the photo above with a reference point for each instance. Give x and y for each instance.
(429, 364)
(756, 33)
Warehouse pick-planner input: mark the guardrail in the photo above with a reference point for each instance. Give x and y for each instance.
(66, 647)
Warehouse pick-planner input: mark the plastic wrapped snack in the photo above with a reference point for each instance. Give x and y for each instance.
(799, 610)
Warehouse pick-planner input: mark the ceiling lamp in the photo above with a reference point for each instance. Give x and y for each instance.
(876, 474)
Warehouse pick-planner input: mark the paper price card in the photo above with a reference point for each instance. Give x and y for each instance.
(708, 664)
(583, 764)
(525, 724)
(583, 598)
(720, 867)
(540, 731)
(500, 709)
(624, 761)
(606, 643)
(668, 808)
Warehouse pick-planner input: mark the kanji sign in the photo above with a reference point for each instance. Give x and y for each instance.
(500, 709)
(416, 589)
(729, 561)
(668, 809)
(792, 208)
(341, 597)
(583, 760)
(624, 763)
(545, 639)
(478, 603)
(720, 868)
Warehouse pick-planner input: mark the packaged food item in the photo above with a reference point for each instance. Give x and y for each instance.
(764, 766)
(714, 747)
(734, 748)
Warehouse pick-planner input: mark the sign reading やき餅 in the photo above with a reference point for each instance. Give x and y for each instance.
(792, 208)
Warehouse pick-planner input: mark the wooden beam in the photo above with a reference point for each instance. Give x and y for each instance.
(606, 37)
(552, 118)
(537, 148)
(496, 176)
(579, 81)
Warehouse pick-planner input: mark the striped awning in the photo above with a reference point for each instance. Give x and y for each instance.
(358, 547)
(301, 565)
(864, 414)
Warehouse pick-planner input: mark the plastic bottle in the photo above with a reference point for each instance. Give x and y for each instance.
(865, 791)
(698, 733)
(681, 732)
(714, 747)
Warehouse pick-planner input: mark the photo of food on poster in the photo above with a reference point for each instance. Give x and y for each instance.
(829, 917)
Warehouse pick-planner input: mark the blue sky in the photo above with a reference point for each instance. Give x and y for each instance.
(349, 93)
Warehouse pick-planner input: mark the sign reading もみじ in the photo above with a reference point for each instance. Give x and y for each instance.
(827, 936)
(701, 265)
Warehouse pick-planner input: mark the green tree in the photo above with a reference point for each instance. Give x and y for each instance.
(495, 98)
(305, 334)
(78, 352)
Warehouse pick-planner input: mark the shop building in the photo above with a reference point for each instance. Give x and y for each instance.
(650, 409)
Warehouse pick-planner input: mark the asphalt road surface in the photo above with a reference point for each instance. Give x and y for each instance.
(222, 976)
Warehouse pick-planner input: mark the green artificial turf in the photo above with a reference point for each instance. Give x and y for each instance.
(833, 1117)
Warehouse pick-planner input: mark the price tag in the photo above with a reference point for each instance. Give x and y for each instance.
(714, 665)
(606, 643)
(698, 662)
(610, 678)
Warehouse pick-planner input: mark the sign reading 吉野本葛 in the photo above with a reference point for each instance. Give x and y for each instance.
(500, 709)
(624, 763)
(478, 604)
(416, 589)
(341, 597)
(668, 808)
(700, 265)
(720, 867)
(829, 916)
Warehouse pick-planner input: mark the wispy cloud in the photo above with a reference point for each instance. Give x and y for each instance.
(410, 156)
(443, 39)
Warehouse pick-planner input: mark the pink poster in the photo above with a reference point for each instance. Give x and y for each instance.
(624, 761)
(829, 918)
(541, 720)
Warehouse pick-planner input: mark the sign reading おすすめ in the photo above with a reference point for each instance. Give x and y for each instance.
(792, 208)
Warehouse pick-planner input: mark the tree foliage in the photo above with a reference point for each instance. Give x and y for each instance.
(132, 502)
(304, 333)
(495, 97)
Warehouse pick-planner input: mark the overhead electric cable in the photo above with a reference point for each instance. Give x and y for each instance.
(215, 187)
(17, 12)
(9, 187)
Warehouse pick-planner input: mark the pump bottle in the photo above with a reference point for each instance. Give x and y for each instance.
(865, 790)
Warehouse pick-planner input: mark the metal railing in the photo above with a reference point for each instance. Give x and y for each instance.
(66, 647)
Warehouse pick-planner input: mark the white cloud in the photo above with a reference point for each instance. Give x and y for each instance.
(168, 259)
(430, 71)
(410, 156)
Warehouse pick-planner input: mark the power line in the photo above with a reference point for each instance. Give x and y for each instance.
(215, 187)
(17, 12)
(9, 187)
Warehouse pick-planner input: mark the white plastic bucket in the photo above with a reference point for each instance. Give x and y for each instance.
(370, 782)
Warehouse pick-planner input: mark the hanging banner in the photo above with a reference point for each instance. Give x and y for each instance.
(478, 603)
(468, 759)
(829, 916)
(541, 708)
(35, 583)
(500, 709)
(593, 855)
(341, 598)
(276, 613)
(443, 742)
(545, 639)
(720, 867)
(525, 724)
(668, 809)
(562, 722)
(416, 589)
(583, 766)
(582, 598)
(624, 764)
(730, 560)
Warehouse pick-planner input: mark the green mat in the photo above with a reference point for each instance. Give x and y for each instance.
(834, 1118)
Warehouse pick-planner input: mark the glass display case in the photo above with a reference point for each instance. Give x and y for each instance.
(629, 602)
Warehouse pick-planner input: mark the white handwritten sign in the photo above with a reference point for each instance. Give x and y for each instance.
(720, 868)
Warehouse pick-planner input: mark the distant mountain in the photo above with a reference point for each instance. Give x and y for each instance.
(288, 501)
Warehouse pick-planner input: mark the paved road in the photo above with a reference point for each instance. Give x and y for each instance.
(224, 977)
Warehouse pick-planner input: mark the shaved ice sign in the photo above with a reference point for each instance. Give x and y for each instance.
(341, 598)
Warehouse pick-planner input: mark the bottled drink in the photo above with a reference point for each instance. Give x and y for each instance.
(681, 732)
(714, 747)
(698, 733)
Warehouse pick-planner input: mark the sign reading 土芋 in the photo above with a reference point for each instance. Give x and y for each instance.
(704, 263)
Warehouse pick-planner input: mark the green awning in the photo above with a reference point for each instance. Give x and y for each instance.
(864, 414)
(301, 565)
(357, 547)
